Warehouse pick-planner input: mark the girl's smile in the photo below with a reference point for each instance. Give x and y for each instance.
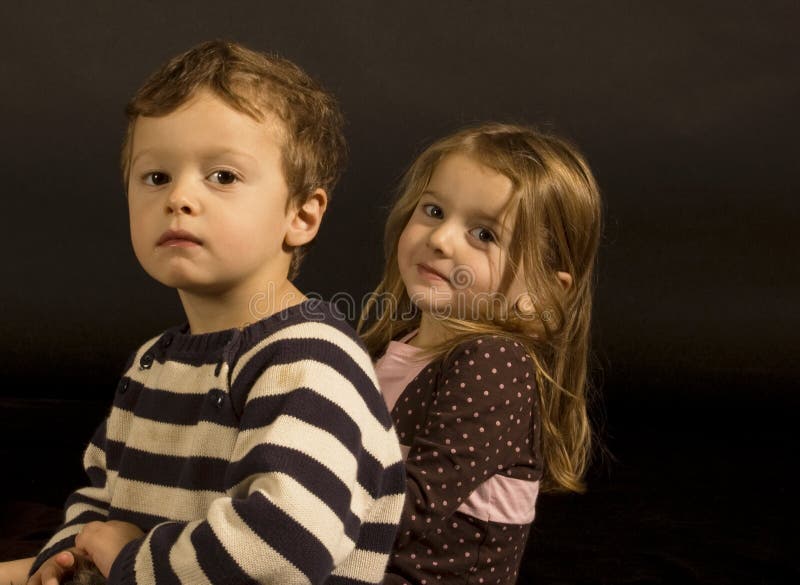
(431, 274)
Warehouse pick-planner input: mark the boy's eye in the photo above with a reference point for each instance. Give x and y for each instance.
(432, 210)
(156, 179)
(483, 234)
(223, 177)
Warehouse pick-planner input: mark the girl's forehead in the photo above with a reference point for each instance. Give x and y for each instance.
(460, 180)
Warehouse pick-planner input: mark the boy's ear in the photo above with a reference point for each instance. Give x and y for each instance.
(305, 220)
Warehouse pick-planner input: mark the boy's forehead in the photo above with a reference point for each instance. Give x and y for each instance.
(207, 116)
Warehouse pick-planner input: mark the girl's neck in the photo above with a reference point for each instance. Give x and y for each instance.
(213, 312)
(431, 332)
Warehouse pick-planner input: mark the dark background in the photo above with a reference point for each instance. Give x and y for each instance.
(688, 115)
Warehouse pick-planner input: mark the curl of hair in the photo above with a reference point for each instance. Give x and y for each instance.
(256, 84)
(557, 210)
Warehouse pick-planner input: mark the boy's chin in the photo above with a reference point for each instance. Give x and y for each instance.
(184, 280)
(193, 286)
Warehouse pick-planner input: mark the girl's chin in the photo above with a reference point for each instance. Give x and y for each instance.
(439, 310)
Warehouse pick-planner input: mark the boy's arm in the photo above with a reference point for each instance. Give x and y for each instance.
(58, 567)
(84, 505)
(15, 572)
(103, 541)
(310, 461)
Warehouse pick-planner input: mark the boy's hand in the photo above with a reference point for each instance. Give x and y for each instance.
(103, 541)
(56, 568)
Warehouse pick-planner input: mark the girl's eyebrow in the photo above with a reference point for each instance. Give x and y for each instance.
(480, 215)
(494, 221)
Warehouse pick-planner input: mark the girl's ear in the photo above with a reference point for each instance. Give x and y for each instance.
(304, 221)
(565, 278)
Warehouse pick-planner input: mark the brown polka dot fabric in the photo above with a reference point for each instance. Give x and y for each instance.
(466, 417)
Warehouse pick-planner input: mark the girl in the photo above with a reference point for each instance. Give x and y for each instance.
(481, 327)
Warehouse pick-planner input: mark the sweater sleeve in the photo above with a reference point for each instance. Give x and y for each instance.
(479, 419)
(305, 469)
(86, 504)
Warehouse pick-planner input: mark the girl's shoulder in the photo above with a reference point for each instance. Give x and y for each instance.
(497, 354)
(489, 371)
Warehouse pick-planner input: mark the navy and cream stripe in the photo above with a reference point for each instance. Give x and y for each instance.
(259, 455)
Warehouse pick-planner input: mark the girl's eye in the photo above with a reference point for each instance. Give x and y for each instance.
(483, 234)
(432, 210)
(156, 179)
(223, 177)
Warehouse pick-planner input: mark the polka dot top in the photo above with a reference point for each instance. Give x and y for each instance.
(470, 425)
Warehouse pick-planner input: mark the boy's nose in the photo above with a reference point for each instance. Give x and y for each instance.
(180, 201)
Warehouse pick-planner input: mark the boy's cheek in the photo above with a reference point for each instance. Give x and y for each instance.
(137, 242)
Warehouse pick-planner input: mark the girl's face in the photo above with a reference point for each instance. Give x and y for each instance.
(452, 252)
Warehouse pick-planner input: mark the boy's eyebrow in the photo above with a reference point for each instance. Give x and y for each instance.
(211, 154)
(228, 152)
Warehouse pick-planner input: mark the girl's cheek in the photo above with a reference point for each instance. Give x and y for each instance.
(403, 242)
(495, 269)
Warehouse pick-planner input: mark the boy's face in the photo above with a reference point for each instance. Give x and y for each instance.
(207, 199)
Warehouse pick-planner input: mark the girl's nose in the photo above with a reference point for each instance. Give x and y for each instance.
(440, 239)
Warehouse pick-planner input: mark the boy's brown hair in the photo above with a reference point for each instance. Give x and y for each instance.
(256, 84)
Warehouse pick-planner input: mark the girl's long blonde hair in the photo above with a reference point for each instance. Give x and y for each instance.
(557, 228)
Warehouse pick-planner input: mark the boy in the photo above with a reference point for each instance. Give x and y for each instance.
(235, 451)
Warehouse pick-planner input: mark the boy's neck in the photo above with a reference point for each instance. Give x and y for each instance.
(207, 313)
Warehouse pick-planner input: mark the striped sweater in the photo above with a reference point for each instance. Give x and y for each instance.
(255, 455)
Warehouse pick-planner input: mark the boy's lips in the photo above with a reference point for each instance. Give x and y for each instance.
(178, 238)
